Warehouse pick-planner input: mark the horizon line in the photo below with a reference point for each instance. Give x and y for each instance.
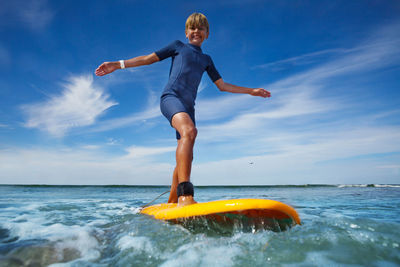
(237, 185)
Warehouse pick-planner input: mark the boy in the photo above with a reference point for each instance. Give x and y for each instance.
(177, 100)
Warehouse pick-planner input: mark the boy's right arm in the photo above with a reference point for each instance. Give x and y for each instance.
(108, 67)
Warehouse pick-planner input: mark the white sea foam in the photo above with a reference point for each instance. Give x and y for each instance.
(387, 185)
(125, 210)
(339, 227)
(352, 185)
(354, 226)
(24, 230)
(137, 243)
(369, 185)
(208, 252)
(97, 222)
(112, 205)
(78, 238)
(60, 236)
(111, 209)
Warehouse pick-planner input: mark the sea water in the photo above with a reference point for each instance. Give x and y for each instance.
(342, 225)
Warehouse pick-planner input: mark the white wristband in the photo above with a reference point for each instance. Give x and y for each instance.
(122, 63)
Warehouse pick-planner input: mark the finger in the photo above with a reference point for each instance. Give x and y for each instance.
(99, 69)
(101, 66)
(99, 73)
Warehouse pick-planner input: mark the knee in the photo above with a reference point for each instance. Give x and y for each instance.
(189, 133)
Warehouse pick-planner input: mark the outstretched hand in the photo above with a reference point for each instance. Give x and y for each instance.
(106, 68)
(260, 92)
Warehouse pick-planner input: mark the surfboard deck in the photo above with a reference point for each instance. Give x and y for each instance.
(247, 214)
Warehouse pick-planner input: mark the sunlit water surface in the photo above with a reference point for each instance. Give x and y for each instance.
(101, 226)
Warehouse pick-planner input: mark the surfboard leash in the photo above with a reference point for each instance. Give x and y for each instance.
(145, 205)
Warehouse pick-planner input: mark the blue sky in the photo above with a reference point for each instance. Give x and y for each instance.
(332, 67)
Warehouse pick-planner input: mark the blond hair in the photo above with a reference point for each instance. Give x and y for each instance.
(197, 20)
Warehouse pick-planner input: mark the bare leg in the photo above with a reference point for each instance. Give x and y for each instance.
(184, 152)
(173, 198)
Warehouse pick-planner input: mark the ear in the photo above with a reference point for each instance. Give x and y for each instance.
(186, 34)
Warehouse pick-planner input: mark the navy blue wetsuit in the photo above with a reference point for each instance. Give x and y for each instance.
(187, 68)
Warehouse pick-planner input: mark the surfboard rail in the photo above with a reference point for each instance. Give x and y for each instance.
(249, 207)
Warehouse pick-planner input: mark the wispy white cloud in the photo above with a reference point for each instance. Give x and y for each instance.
(139, 152)
(147, 84)
(301, 60)
(202, 86)
(79, 104)
(381, 47)
(375, 55)
(299, 95)
(320, 157)
(348, 155)
(296, 136)
(33, 14)
(36, 14)
(262, 115)
(125, 121)
(4, 126)
(222, 107)
(82, 165)
(292, 138)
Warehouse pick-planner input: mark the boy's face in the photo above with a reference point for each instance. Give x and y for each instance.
(196, 35)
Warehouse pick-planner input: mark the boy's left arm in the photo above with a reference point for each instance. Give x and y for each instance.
(227, 87)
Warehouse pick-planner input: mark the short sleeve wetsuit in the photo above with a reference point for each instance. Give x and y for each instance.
(187, 68)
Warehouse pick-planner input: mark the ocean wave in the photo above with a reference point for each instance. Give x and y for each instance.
(369, 185)
(97, 227)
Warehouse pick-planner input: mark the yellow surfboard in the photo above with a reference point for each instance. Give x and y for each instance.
(247, 213)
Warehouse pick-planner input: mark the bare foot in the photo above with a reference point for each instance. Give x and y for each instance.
(185, 200)
(172, 201)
